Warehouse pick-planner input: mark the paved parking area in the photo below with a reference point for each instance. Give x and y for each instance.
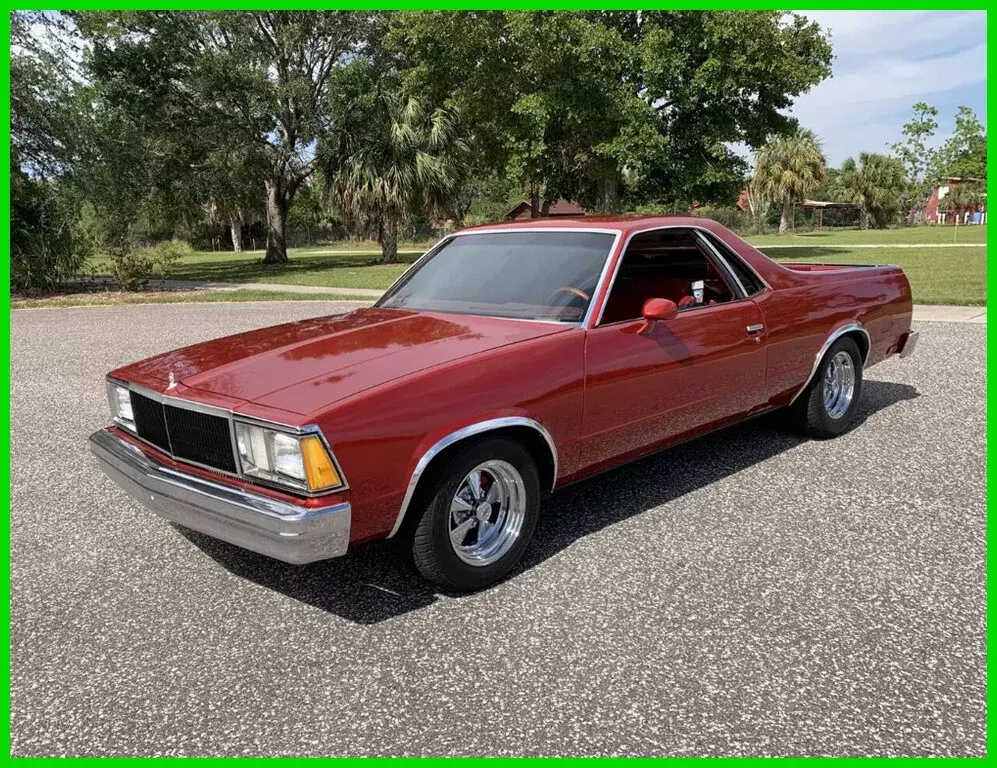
(746, 594)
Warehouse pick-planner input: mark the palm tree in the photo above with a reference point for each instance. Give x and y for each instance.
(757, 202)
(392, 158)
(875, 184)
(788, 168)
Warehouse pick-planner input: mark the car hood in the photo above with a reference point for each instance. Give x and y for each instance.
(305, 366)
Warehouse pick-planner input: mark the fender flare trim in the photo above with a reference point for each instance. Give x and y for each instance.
(478, 428)
(835, 335)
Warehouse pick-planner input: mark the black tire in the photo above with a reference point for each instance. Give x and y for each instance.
(808, 415)
(432, 552)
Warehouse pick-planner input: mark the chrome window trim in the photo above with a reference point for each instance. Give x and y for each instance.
(850, 328)
(731, 274)
(584, 322)
(707, 234)
(490, 425)
(623, 253)
(232, 417)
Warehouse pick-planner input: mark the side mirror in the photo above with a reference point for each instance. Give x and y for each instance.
(657, 309)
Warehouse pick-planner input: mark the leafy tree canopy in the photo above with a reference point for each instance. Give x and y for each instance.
(256, 78)
(876, 184)
(789, 168)
(606, 105)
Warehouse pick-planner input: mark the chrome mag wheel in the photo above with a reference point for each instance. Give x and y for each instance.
(487, 512)
(839, 385)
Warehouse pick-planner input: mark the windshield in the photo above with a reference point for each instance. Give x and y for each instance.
(520, 274)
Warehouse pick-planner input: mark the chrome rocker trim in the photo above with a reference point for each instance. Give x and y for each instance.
(851, 328)
(284, 531)
(472, 429)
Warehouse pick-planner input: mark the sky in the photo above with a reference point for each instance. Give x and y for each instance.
(885, 62)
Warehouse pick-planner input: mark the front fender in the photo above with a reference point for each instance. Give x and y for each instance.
(440, 439)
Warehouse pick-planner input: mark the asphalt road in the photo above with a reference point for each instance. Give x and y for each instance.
(746, 594)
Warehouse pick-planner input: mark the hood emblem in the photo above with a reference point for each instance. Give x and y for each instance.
(173, 381)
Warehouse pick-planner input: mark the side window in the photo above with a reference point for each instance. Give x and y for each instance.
(745, 275)
(665, 264)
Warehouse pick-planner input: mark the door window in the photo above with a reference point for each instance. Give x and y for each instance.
(665, 264)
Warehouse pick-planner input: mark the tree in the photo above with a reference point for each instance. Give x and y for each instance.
(757, 202)
(390, 156)
(47, 244)
(788, 168)
(917, 157)
(197, 76)
(43, 104)
(719, 77)
(964, 154)
(48, 241)
(876, 185)
(541, 89)
(230, 180)
(615, 106)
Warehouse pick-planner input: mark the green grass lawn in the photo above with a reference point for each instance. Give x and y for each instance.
(316, 267)
(104, 298)
(904, 236)
(938, 275)
(336, 267)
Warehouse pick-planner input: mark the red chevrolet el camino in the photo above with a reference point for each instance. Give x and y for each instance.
(508, 361)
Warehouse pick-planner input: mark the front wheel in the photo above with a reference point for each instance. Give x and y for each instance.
(478, 517)
(826, 408)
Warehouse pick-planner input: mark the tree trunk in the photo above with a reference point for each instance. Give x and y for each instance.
(609, 194)
(534, 200)
(784, 219)
(236, 223)
(545, 209)
(278, 201)
(388, 237)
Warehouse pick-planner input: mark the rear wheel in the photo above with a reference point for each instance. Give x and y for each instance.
(478, 516)
(826, 408)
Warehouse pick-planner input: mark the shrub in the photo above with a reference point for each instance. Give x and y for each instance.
(167, 254)
(134, 268)
(47, 245)
(733, 218)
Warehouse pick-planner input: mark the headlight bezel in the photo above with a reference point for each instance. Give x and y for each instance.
(114, 390)
(278, 480)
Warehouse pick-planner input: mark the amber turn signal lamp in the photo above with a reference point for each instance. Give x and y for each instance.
(319, 469)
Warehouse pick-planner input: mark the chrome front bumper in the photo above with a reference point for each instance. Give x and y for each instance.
(250, 520)
(910, 343)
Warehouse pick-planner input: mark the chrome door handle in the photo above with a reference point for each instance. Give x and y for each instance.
(753, 329)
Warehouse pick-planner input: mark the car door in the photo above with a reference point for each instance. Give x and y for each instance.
(702, 369)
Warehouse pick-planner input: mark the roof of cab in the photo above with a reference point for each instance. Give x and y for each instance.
(622, 222)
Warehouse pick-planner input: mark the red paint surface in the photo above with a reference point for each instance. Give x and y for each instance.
(384, 385)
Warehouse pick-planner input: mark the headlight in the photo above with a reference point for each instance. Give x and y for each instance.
(300, 462)
(120, 400)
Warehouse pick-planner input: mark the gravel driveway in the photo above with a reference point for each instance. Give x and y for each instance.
(746, 594)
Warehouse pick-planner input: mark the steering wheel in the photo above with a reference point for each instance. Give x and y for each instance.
(577, 292)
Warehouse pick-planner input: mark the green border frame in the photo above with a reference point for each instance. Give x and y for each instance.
(991, 430)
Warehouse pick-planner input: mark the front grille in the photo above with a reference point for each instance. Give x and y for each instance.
(184, 433)
(150, 423)
(200, 437)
